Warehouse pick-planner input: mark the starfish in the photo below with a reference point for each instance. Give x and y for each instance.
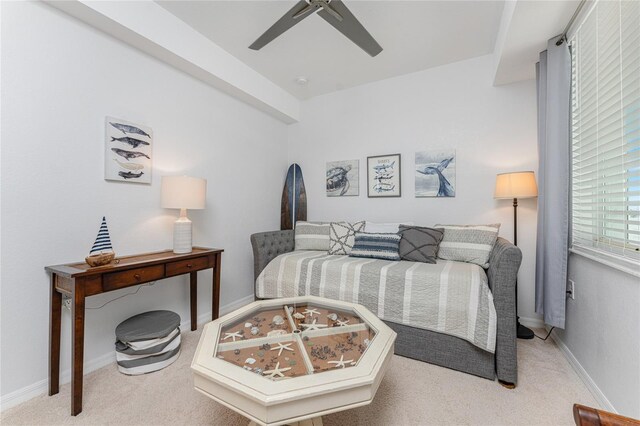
(313, 326)
(282, 348)
(311, 312)
(342, 363)
(232, 335)
(342, 323)
(276, 371)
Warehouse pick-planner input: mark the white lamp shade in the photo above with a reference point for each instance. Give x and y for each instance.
(516, 185)
(183, 192)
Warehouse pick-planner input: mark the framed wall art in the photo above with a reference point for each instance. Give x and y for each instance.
(127, 151)
(383, 176)
(435, 173)
(343, 178)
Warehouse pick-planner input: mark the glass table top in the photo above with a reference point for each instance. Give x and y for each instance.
(294, 340)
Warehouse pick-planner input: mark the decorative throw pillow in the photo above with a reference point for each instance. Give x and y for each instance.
(468, 243)
(342, 235)
(376, 246)
(383, 228)
(419, 244)
(312, 236)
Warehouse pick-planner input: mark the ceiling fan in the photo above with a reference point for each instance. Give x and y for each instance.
(332, 11)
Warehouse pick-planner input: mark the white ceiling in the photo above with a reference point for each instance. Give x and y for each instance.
(527, 25)
(415, 35)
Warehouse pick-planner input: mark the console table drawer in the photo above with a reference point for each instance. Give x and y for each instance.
(189, 265)
(132, 277)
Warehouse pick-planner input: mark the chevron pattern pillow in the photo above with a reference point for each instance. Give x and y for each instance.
(419, 244)
(468, 243)
(342, 236)
(376, 246)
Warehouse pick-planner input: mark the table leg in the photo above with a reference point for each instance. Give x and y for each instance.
(78, 349)
(215, 291)
(316, 421)
(193, 292)
(55, 318)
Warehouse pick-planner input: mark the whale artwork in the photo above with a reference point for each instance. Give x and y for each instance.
(435, 173)
(127, 151)
(131, 141)
(126, 128)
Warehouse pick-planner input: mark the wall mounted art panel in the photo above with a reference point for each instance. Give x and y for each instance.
(436, 173)
(383, 176)
(343, 178)
(127, 151)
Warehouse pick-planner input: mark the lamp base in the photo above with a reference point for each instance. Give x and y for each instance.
(524, 332)
(182, 235)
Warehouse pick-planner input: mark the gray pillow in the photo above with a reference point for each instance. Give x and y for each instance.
(312, 236)
(468, 243)
(419, 244)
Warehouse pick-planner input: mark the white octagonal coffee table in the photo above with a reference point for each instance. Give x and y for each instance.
(291, 360)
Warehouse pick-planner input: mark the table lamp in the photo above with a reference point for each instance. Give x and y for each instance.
(513, 186)
(183, 192)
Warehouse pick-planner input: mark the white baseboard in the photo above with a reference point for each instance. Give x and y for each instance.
(584, 376)
(532, 322)
(21, 395)
(229, 307)
(41, 387)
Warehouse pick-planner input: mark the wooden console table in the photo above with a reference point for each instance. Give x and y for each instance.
(79, 280)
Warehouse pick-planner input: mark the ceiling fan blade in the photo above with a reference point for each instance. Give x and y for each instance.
(350, 27)
(331, 11)
(304, 11)
(296, 14)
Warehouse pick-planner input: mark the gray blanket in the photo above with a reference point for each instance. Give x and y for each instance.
(447, 297)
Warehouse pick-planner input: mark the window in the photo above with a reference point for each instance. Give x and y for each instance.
(605, 124)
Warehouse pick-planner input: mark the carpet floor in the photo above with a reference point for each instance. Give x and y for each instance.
(412, 393)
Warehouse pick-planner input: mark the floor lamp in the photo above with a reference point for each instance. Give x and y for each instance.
(513, 186)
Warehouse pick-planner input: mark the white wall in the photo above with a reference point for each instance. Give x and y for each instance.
(603, 332)
(493, 130)
(60, 78)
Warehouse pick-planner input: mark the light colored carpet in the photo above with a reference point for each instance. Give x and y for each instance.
(412, 393)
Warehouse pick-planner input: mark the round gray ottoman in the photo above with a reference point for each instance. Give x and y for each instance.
(147, 342)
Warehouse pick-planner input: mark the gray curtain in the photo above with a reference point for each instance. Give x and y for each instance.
(553, 74)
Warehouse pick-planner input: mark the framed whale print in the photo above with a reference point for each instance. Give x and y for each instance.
(436, 173)
(127, 151)
(383, 176)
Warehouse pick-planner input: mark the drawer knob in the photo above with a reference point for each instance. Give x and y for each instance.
(137, 276)
(189, 265)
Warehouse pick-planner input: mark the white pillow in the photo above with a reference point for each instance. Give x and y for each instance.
(342, 236)
(384, 228)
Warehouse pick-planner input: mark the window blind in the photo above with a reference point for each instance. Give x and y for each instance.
(605, 124)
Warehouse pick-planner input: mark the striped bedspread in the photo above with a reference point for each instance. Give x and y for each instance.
(447, 297)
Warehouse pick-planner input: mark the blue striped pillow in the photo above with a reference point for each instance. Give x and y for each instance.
(376, 246)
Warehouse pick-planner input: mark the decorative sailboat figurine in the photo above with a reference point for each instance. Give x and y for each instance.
(101, 253)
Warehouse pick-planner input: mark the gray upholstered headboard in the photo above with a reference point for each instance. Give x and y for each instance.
(268, 245)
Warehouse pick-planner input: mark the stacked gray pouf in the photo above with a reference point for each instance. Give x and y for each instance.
(148, 342)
